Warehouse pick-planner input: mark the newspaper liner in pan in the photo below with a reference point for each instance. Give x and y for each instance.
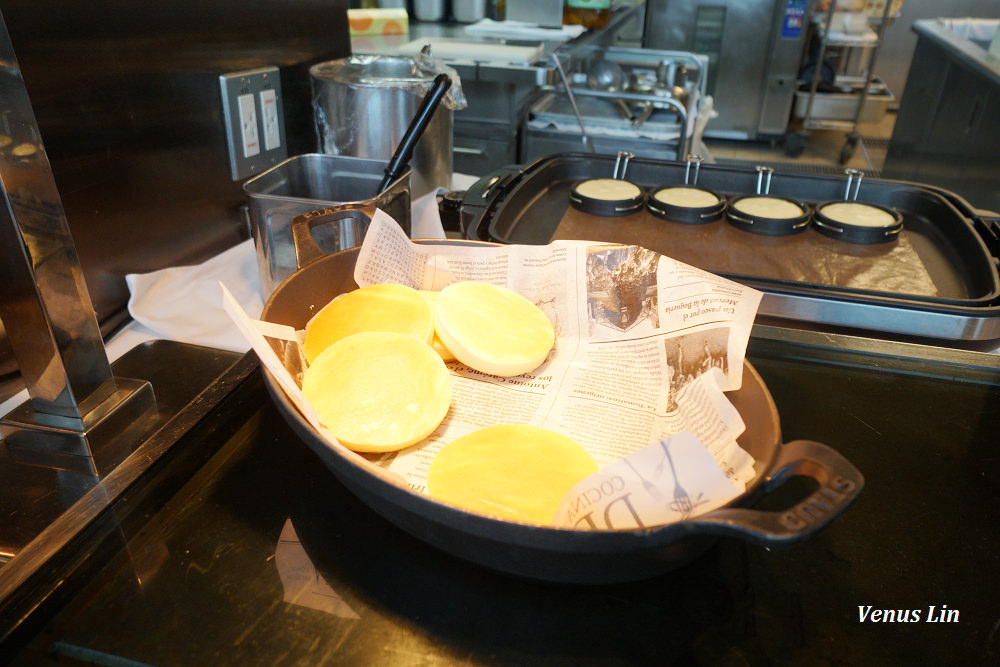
(645, 347)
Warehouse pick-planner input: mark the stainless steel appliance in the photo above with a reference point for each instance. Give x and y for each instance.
(486, 132)
(552, 127)
(754, 48)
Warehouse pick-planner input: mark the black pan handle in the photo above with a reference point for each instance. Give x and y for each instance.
(399, 161)
(839, 485)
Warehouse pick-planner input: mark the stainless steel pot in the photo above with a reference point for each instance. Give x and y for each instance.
(363, 106)
(562, 555)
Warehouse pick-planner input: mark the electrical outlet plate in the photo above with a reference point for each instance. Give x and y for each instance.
(255, 120)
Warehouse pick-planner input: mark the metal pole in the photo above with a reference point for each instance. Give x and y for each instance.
(45, 306)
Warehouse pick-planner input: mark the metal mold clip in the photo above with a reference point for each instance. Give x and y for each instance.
(621, 164)
(695, 160)
(854, 177)
(764, 179)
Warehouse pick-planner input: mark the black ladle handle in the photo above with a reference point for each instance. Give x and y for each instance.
(397, 165)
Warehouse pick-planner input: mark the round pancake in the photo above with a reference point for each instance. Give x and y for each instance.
(492, 329)
(861, 215)
(686, 196)
(769, 207)
(379, 391)
(608, 189)
(510, 471)
(385, 307)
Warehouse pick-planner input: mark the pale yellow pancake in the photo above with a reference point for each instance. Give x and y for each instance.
(608, 189)
(492, 329)
(856, 213)
(769, 207)
(511, 471)
(431, 297)
(686, 196)
(385, 307)
(379, 391)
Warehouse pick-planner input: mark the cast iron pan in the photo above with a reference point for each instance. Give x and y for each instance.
(571, 556)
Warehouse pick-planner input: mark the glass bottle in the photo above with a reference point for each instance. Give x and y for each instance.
(497, 10)
(588, 13)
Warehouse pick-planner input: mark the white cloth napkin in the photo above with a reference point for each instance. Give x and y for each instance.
(184, 303)
(425, 217)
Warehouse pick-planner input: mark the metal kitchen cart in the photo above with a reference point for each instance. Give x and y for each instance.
(840, 111)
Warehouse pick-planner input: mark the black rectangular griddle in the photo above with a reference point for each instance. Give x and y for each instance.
(938, 280)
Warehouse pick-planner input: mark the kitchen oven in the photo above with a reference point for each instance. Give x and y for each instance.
(754, 48)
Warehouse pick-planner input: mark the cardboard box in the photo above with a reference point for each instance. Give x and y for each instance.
(378, 22)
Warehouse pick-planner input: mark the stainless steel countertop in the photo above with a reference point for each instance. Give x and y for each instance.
(943, 32)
